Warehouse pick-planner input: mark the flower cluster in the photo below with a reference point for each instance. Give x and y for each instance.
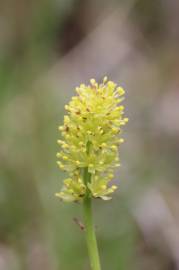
(90, 140)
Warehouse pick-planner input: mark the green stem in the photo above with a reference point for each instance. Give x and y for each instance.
(89, 227)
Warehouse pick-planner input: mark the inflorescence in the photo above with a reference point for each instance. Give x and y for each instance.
(90, 140)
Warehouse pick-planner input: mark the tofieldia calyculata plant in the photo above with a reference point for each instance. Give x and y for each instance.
(89, 149)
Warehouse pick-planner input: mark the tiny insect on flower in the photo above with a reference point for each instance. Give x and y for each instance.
(91, 137)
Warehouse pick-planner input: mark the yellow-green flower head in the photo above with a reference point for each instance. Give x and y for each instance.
(91, 138)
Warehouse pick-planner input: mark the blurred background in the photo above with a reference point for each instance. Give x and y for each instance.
(47, 48)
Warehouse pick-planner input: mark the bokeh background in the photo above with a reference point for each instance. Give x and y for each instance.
(48, 47)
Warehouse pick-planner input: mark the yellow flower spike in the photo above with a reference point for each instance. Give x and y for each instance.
(90, 140)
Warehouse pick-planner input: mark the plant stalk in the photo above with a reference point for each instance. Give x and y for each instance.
(89, 227)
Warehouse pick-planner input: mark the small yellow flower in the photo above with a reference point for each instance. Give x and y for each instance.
(91, 139)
